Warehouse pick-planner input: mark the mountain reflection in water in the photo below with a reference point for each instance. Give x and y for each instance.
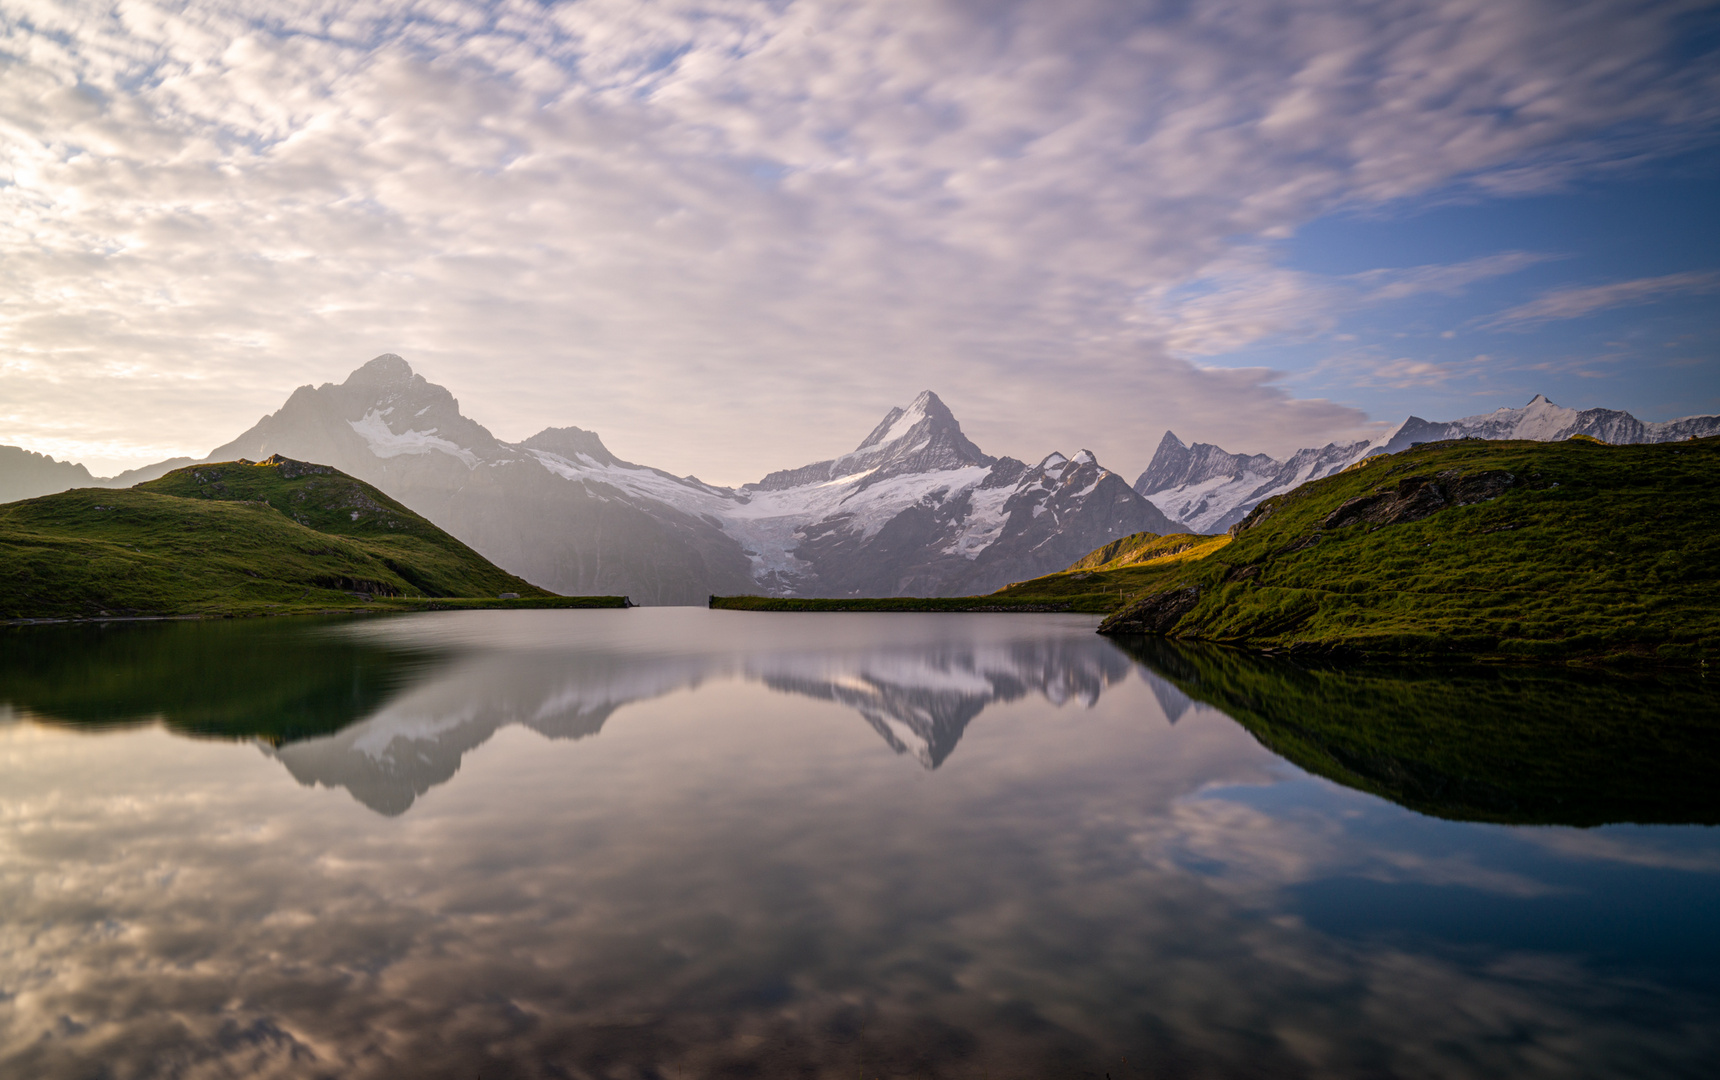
(389, 710)
(1111, 875)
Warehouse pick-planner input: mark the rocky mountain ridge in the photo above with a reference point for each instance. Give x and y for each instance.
(1211, 489)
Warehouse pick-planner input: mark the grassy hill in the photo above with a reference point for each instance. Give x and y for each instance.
(240, 538)
(1574, 550)
(1499, 550)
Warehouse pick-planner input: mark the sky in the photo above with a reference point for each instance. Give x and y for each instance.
(728, 235)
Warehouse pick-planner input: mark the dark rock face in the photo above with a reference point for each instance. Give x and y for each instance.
(1417, 497)
(1175, 464)
(1054, 513)
(1158, 613)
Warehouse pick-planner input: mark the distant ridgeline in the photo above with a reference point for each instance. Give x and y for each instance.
(1211, 490)
(1460, 549)
(915, 510)
(239, 537)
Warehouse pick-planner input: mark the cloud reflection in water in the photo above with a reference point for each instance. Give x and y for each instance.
(737, 881)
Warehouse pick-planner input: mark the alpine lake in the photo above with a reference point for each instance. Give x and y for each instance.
(680, 843)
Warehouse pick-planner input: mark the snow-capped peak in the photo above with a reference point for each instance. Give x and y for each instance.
(923, 438)
(899, 424)
(1085, 457)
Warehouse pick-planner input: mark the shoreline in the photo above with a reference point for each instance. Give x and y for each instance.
(389, 606)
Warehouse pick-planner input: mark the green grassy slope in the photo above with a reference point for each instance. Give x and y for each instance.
(1523, 745)
(237, 538)
(1138, 548)
(1573, 550)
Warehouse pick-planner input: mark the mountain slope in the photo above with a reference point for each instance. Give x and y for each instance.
(25, 475)
(590, 533)
(1211, 490)
(233, 537)
(1511, 549)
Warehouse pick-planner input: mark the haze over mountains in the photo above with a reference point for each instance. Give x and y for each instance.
(916, 509)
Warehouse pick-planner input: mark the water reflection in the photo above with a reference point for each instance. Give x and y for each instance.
(737, 879)
(389, 710)
(270, 679)
(1517, 745)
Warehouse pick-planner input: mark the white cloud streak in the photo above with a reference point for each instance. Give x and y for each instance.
(728, 234)
(1576, 303)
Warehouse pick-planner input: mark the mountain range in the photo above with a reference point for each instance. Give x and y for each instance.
(916, 509)
(1210, 489)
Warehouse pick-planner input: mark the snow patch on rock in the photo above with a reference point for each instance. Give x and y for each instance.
(385, 443)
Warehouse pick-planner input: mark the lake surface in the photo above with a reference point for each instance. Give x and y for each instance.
(669, 843)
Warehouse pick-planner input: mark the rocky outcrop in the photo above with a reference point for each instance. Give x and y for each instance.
(1418, 497)
(1157, 613)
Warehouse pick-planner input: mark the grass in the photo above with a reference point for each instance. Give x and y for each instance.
(1510, 744)
(1588, 553)
(238, 538)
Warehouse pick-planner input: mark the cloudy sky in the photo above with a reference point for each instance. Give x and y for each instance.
(729, 234)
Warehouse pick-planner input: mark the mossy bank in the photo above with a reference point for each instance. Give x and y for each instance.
(241, 538)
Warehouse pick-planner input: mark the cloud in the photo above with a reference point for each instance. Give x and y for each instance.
(729, 234)
(744, 881)
(1575, 303)
(1249, 297)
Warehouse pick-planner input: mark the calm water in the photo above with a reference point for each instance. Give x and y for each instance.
(681, 843)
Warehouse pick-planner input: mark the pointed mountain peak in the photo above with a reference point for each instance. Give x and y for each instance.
(385, 370)
(1171, 442)
(1085, 457)
(1539, 399)
(927, 409)
(1053, 460)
